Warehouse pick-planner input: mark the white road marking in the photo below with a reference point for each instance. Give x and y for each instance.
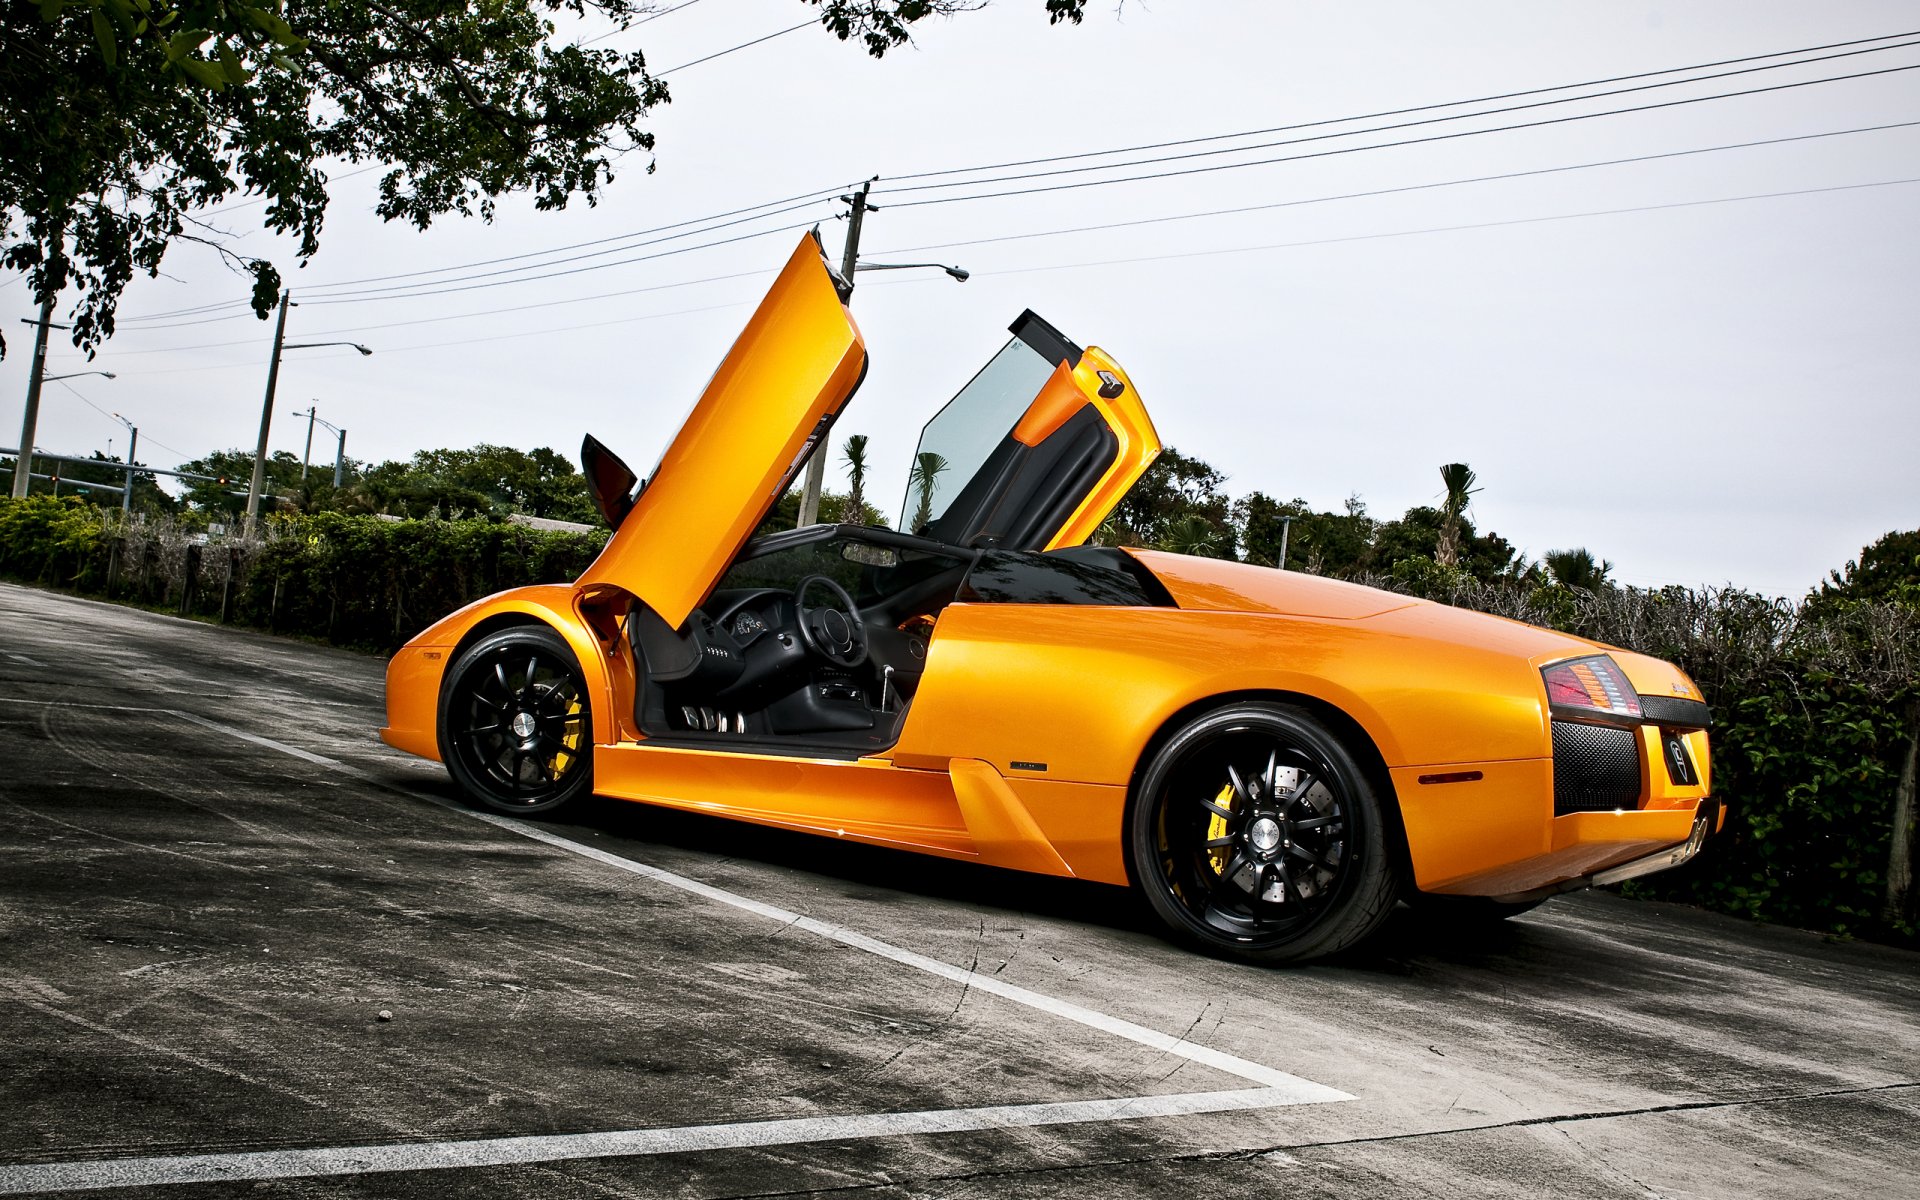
(1167, 1043)
(626, 1143)
(256, 739)
(1277, 1089)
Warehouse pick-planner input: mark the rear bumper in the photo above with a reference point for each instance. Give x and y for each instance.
(1706, 822)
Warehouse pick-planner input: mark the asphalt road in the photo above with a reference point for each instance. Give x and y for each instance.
(214, 881)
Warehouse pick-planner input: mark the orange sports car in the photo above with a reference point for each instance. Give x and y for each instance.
(1273, 759)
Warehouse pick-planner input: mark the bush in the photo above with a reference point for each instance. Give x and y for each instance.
(358, 581)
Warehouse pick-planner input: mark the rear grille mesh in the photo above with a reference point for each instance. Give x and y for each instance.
(1596, 768)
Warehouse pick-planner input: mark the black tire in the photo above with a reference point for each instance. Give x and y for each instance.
(516, 724)
(1467, 910)
(1315, 878)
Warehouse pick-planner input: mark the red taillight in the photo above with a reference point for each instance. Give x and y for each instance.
(1596, 685)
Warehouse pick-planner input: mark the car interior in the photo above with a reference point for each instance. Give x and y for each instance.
(817, 638)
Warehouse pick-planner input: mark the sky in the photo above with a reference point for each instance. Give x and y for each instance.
(1703, 368)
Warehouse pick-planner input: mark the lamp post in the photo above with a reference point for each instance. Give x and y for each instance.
(133, 443)
(858, 207)
(280, 346)
(76, 375)
(960, 274)
(312, 414)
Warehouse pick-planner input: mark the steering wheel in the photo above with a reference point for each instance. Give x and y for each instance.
(835, 634)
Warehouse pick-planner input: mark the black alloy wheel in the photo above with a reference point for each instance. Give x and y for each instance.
(1256, 835)
(516, 727)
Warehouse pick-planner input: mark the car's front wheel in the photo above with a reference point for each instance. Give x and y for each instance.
(516, 727)
(1255, 834)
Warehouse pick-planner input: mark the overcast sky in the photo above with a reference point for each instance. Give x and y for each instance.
(1717, 387)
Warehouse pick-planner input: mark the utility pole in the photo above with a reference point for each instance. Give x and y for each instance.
(266, 416)
(23, 468)
(849, 263)
(1286, 527)
(340, 458)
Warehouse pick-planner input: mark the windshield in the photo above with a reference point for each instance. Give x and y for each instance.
(956, 443)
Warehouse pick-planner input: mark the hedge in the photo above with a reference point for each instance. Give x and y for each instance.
(1816, 704)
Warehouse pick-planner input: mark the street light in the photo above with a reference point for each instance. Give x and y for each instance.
(312, 414)
(133, 443)
(960, 274)
(76, 375)
(280, 346)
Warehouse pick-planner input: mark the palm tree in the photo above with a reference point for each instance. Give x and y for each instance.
(855, 453)
(1577, 569)
(1459, 479)
(927, 467)
(1192, 534)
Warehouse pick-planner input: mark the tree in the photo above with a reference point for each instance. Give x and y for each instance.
(922, 477)
(121, 119)
(1887, 570)
(1176, 487)
(232, 470)
(1193, 534)
(1458, 478)
(855, 453)
(1577, 568)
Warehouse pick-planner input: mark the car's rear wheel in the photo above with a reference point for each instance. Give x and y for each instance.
(1255, 834)
(516, 726)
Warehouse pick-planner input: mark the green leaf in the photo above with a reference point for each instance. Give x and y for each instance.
(230, 63)
(103, 33)
(205, 72)
(50, 10)
(184, 43)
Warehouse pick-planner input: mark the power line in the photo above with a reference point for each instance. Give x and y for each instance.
(742, 46)
(708, 224)
(1490, 112)
(601, 37)
(1370, 237)
(486, 312)
(1391, 191)
(620, 262)
(816, 194)
(1401, 112)
(310, 297)
(1440, 137)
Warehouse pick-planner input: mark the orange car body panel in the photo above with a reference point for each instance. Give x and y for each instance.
(1031, 721)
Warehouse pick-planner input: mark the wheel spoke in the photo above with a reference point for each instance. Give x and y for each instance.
(1286, 880)
(1316, 822)
(1233, 866)
(1239, 785)
(478, 729)
(1225, 814)
(1220, 842)
(1300, 790)
(1273, 773)
(1308, 856)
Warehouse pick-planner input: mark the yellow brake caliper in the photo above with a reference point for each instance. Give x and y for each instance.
(1217, 828)
(562, 760)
